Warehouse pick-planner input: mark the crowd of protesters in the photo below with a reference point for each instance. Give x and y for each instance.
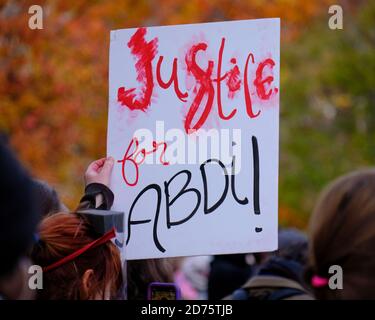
(78, 263)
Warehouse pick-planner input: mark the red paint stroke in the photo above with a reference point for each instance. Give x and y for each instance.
(144, 52)
(128, 157)
(165, 85)
(218, 84)
(133, 158)
(249, 107)
(155, 147)
(233, 81)
(204, 82)
(259, 82)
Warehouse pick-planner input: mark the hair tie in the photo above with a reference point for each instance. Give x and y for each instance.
(318, 282)
(103, 239)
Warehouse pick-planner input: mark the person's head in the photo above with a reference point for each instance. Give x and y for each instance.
(18, 221)
(289, 260)
(342, 232)
(47, 198)
(293, 245)
(95, 274)
(142, 272)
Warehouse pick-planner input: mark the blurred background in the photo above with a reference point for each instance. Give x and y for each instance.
(54, 86)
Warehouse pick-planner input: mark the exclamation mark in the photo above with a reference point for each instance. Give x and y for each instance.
(256, 178)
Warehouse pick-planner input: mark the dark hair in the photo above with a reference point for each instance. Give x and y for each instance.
(18, 214)
(293, 245)
(47, 198)
(342, 232)
(62, 234)
(142, 272)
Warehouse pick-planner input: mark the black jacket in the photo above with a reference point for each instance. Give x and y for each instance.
(97, 196)
(278, 279)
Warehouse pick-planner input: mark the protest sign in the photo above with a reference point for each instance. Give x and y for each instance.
(193, 126)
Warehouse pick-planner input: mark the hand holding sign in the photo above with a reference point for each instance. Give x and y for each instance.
(99, 171)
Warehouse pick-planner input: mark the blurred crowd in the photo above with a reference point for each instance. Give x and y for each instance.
(81, 263)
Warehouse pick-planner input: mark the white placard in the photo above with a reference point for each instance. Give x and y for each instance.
(194, 128)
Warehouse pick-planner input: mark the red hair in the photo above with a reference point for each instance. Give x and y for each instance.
(62, 234)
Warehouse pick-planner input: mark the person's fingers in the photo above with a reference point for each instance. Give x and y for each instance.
(99, 171)
(100, 162)
(108, 165)
(96, 165)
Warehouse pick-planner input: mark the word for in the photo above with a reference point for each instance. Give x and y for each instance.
(137, 156)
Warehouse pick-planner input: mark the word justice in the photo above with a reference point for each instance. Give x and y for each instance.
(204, 89)
(172, 194)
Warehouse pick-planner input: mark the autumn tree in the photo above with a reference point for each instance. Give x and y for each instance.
(54, 86)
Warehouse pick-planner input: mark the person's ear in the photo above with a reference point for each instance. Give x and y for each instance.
(87, 279)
